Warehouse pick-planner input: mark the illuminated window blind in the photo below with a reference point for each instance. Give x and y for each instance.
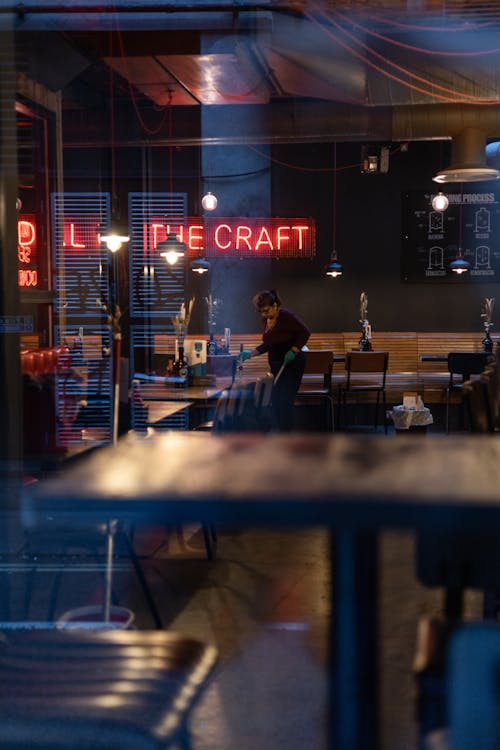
(84, 402)
(156, 289)
(82, 273)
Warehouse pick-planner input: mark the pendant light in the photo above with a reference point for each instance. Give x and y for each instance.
(200, 265)
(440, 202)
(459, 265)
(468, 159)
(115, 236)
(335, 268)
(172, 249)
(209, 201)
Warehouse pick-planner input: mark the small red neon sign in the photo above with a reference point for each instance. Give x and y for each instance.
(26, 251)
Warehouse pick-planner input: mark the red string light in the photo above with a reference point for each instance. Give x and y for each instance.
(413, 48)
(146, 128)
(356, 165)
(458, 96)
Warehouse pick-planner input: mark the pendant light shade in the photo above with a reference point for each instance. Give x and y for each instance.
(172, 249)
(460, 265)
(468, 159)
(200, 265)
(335, 268)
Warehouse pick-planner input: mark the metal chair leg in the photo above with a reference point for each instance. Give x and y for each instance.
(210, 538)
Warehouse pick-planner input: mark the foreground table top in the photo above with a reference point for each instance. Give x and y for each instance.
(354, 485)
(303, 478)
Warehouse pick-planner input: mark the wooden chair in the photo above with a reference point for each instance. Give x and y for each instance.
(461, 365)
(99, 689)
(366, 373)
(238, 409)
(241, 408)
(491, 379)
(318, 367)
(478, 405)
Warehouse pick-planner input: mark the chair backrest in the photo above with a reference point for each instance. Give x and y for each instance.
(234, 409)
(320, 362)
(263, 391)
(466, 363)
(363, 363)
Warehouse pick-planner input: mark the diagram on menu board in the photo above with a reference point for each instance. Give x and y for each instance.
(433, 239)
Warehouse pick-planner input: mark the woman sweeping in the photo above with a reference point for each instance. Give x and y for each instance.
(283, 336)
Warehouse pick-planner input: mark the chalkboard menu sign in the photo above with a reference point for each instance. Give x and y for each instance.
(432, 239)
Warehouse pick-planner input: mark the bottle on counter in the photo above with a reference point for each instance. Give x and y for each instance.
(487, 342)
(180, 367)
(211, 346)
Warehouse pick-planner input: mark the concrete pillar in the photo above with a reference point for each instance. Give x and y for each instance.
(240, 177)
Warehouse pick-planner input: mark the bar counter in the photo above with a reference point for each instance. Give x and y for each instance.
(356, 486)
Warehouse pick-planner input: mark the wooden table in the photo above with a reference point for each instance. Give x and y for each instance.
(433, 358)
(161, 392)
(354, 485)
(201, 398)
(161, 410)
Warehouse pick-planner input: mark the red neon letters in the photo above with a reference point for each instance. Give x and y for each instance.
(217, 237)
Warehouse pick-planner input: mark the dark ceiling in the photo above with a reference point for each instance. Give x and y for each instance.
(393, 69)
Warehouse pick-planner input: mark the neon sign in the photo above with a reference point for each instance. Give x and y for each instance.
(247, 237)
(26, 251)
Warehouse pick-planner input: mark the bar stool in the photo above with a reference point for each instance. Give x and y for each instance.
(99, 689)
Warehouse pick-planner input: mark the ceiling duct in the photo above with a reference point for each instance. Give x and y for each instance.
(468, 159)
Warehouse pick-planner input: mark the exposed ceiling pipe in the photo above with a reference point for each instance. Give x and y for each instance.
(323, 122)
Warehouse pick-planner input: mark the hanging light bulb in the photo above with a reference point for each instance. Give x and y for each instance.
(440, 202)
(209, 202)
(115, 236)
(200, 265)
(335, 268)
(172, 249)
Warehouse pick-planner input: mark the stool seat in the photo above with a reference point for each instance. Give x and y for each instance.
(99, 690)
